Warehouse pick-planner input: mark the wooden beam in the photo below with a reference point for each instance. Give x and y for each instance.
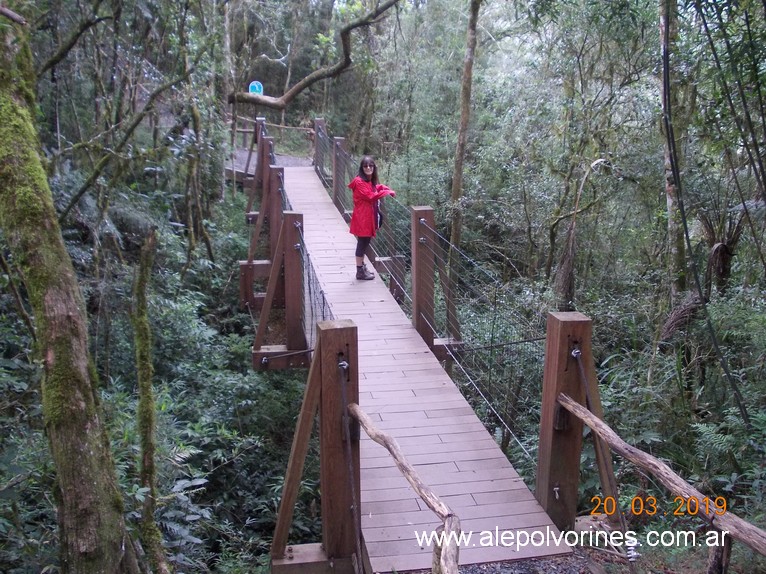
(276, 177)
(310, 559)
(445, 348)
(279, 357)
(423, 272)
(300, 446)
(319, 125)
(728, 522)
(276, 222)
(293, 281)
(263, 320)
(255, 237)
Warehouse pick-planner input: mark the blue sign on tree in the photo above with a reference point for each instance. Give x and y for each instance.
(255, 88)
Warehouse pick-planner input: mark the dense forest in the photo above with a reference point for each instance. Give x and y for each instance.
(604, 156)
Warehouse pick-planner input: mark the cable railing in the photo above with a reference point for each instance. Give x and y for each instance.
(496, 351)
(315, 305)
(323, 154)
(493, 345)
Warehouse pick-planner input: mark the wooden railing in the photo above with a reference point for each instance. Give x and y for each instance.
(332, 390)
(281, 264)
(570, 391)
(571, 399)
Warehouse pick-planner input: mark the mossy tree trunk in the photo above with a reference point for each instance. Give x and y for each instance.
(150, 532)
(93, 536)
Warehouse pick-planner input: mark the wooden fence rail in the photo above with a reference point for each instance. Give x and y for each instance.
(570, 398)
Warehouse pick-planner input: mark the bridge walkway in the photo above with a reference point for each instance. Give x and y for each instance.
(408, 393)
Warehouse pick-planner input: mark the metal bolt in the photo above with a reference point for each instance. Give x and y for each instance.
(556, 492)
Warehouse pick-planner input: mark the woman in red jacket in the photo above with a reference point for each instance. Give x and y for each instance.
(365, 218)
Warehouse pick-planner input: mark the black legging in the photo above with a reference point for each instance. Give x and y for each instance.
(361, 245)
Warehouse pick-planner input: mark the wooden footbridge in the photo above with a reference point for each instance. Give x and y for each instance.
(424, 461)
(404, 390)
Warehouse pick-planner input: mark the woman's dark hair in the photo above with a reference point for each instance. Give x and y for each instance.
(366, 160)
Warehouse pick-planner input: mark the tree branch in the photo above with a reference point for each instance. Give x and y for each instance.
(12, 16)
(281, 102)
(70, 42)
(137, 119)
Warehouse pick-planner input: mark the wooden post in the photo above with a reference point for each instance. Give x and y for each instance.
(264, 160)
(276, 177)
(260, 125)
(276, 217)
(294, 472)
(340, 521)
(338, 175)
(296, 338)
(558, 464)
(422, 222)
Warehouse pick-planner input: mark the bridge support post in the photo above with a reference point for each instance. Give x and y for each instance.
(558, 464)
(422, 223)
(296, 338)
(260, 128)
(341, 521)
(333, 384)
(320, 125)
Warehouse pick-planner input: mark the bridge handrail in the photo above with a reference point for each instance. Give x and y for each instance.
(332, 392)
(489, 355)
(447, 558)
(738, 528)
(570, 386)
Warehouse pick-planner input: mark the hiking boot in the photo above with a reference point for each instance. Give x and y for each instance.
(363, 274)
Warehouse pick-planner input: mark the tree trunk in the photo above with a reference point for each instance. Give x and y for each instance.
(456, 227)
(676, 250)
(93, 537)
(150, 532)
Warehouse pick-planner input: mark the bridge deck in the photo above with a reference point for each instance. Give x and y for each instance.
(407, 392)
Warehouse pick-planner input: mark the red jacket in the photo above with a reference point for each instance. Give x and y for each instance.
(363, 222)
